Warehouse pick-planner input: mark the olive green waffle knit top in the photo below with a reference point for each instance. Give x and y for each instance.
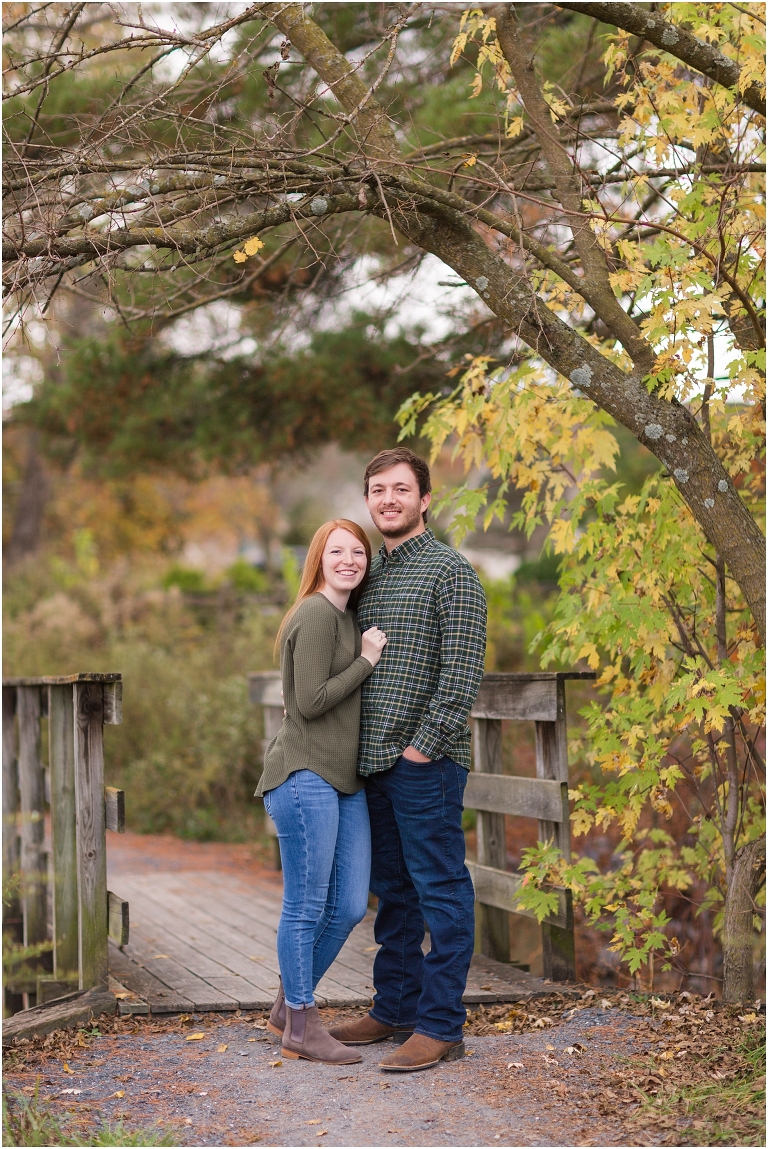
(322, 674)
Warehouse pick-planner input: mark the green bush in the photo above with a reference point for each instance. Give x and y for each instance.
(246, 578)
(185, 578)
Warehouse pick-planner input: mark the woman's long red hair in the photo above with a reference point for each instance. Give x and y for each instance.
(312, 575)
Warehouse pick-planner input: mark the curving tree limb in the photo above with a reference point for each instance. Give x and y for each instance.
(671, 38)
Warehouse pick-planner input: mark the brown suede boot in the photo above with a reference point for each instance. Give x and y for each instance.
(420, 1052)
(276, 1023)
(366, 1031)
(305, 1037)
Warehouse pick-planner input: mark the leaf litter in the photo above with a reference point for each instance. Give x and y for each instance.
(671, 1093)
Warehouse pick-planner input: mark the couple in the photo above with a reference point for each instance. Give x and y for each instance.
(366, 778)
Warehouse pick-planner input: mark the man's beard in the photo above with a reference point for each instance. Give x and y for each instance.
(396, 532)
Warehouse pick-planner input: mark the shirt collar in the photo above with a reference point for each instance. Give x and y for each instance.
(409, 549)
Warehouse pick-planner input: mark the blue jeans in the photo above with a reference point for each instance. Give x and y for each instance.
(325, 847)
(418, 875)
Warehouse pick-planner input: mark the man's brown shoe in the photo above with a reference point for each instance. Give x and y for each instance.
(366, 1031)
(419, 1052)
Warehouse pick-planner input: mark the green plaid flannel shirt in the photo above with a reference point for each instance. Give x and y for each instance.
(429, 601)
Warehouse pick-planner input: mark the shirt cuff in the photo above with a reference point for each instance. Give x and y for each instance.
(427, 741)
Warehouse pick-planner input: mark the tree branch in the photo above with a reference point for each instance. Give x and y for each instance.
(569, 191)
(677, 42)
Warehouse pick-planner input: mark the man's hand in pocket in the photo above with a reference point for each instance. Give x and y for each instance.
(414, 755)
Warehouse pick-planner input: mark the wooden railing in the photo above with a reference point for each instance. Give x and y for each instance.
(537, 698)
(62, 891)
(266, 690)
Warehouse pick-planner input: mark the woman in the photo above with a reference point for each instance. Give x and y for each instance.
(310, 785)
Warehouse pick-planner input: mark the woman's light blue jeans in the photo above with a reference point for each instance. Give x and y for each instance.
(325, 847)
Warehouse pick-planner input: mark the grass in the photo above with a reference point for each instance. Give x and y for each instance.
(723, 1112)
(26, 1122)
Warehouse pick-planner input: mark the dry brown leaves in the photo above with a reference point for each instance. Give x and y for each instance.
(68, 1044)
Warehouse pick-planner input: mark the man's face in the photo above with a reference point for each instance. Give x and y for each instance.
(394, 502)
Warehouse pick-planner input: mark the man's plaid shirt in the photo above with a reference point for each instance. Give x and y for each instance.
(429, 601)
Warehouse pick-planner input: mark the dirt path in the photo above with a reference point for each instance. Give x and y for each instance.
(613, 1069)
(223, 1090)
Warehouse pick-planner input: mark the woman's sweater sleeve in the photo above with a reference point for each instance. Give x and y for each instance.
(313, 643)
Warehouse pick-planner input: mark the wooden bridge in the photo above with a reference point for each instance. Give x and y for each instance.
(205, 940)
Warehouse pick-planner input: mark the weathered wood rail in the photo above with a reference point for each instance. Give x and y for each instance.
(538, 698)
(62, 891)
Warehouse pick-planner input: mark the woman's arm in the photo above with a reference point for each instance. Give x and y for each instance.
(313, 643)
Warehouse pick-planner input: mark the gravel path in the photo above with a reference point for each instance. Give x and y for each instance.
(234, 1096)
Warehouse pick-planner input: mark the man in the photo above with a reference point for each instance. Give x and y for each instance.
(414, 752)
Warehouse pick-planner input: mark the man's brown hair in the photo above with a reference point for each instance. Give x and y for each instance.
(387, 459)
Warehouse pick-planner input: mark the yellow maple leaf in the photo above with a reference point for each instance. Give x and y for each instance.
(251, 246)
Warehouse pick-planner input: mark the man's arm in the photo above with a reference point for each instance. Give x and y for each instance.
(462, 614)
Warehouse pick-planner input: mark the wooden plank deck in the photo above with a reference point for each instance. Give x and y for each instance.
(206, 940)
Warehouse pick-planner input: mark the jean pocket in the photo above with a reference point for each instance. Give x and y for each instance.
(266, 797)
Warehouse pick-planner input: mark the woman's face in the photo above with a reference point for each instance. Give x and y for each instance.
(344, 560)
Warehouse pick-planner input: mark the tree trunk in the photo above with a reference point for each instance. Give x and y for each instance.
(738, 932)
(28, 520)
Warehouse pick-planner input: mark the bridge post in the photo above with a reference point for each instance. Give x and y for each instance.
(491, 839)
(61, 759)
(32, 808)
(540, 698)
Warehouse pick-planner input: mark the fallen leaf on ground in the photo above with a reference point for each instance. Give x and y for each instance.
(657, 1001)
(274, 1064)
(187, 1120)
(71, 1091)
(551, 1047)
(220, 1048)
(485, 987)
(256, 957)
(749, 1018)
(118, 1093)
(203, 1094)
(667, 1055)
(606, 1004)
(195, 1037)
(515, 1065)
(161, 956)
(254, 1039)
(576, 1048)
(65, 1067)
(121, 996)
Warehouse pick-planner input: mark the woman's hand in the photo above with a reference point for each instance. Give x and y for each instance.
(374, 641)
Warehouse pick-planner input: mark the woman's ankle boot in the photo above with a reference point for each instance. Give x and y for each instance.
(276, 1023)
(304, 1036)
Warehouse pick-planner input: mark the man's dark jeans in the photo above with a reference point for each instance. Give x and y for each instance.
(418, 874)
